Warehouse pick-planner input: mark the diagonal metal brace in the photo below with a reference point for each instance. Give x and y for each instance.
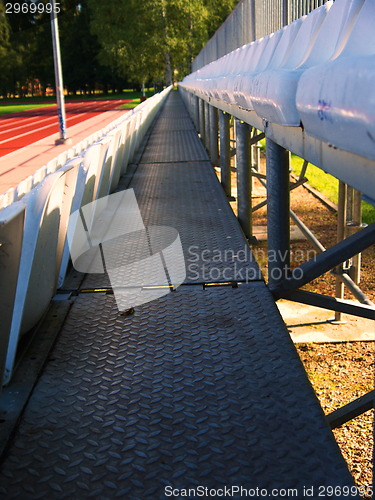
(256, 138)
(351, 410)
(326, 261)
(332, 304)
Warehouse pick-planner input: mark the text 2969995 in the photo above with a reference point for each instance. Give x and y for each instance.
(32, 8)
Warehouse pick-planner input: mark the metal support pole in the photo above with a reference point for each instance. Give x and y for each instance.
(214, 132)
(201, 120)
(207, 125)
(225, 152)
(58, 76)
(196, 112)
(244, 177)
(355, 271)
(341, 233)
(285, 19)
(278, 206)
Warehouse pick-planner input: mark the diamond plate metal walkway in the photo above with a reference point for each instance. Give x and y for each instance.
(201, 388)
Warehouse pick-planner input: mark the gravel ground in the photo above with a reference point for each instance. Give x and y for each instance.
(340, 373)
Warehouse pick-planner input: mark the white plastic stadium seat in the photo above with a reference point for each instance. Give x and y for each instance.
(273, 53)
(336, 100)
(275, 95)
(12, 219)
(47, 211)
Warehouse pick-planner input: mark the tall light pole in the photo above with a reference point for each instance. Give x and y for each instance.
(58, 75)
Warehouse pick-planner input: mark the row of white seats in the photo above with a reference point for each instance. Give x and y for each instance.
(317, 71)
(34, 253)
(25, 186)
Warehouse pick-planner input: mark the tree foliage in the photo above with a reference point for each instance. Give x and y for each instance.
(139, 39)
(105, 44)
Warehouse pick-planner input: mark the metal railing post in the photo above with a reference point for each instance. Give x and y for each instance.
(244, 180)
(201, 120)
(214, 133)
(355, 271)
(196, 112)
(225, 152)
(278, 207)
(341, 233)
(207, 126)
(63, 139)
(285, 13)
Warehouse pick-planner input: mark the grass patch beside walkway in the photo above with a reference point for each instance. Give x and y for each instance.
(329, 186)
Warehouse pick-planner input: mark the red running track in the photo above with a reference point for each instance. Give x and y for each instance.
(18, 130)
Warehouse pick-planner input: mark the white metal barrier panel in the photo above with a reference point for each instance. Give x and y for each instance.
(34, 254)
(317, 74)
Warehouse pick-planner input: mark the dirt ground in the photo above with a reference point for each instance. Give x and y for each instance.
(339, 371)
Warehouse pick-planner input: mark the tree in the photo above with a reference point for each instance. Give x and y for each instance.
(6, 54)
(105, 43)
(154, 40)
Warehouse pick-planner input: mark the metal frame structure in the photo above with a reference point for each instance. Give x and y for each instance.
(281, 283)
(252, 85)
(337, 162)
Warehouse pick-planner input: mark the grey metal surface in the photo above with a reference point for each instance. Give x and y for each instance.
(244, 180)
(188, 197)
(196, 388)
(166, 123)
(214, 135)
(173, 116)
(224, 119)
(174, 146)
(278, 213)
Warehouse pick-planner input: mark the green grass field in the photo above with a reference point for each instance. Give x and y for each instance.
(16, 108)
(97, 96)
(16, 105)
(132, 104)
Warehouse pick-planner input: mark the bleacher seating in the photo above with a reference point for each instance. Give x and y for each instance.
(317, 71)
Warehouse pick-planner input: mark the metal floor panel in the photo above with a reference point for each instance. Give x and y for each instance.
(196, 388)
(174, 110)
(167, 122)
(174, 146)
(189, 198)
